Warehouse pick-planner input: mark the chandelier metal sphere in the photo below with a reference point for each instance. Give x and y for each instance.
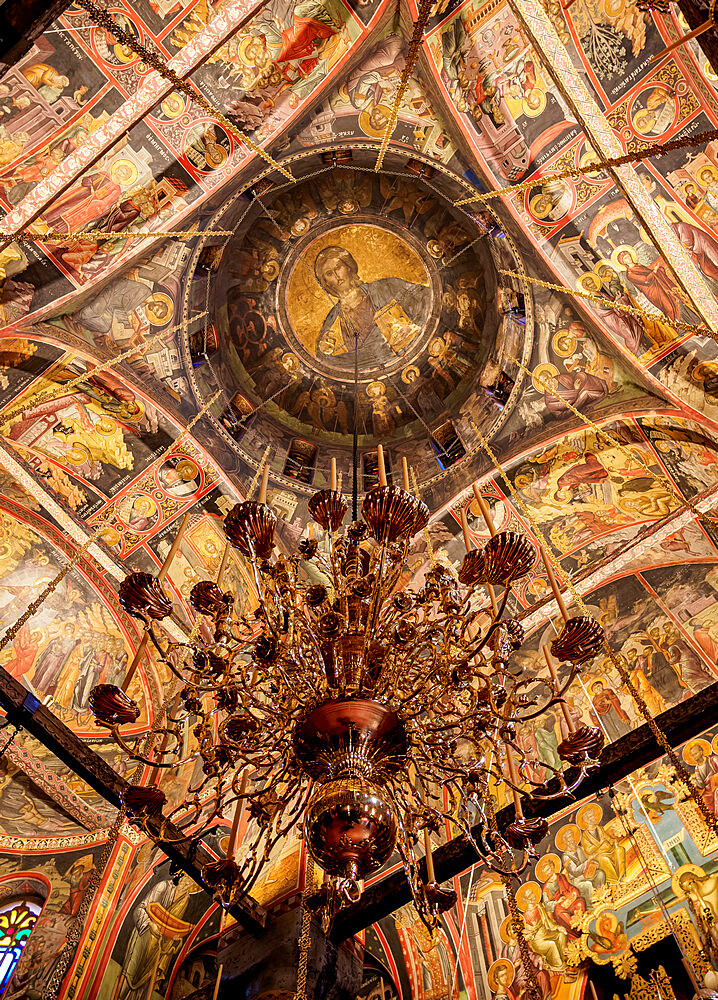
(365, 712)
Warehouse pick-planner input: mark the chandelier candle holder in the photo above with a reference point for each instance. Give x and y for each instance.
(364, 711)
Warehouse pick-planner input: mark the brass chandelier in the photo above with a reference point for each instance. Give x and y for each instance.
(366, 713)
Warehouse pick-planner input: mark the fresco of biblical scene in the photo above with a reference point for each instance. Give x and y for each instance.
(150, 930)
(362, 104)
(572, 367)
(275, 62)
(86, 442)
(607, 487)
(60, 879)
(498, 85)
(340, 313)
(588, 905)
(72, 643)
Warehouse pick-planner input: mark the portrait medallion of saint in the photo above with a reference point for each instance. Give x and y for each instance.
(358, 288)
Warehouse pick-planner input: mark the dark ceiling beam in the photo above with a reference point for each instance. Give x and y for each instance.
(21, 22)
(681, 723)
(696, 15)
(25, 710)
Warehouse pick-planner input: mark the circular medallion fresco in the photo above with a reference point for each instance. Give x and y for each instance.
(358, 294)
(354, 270)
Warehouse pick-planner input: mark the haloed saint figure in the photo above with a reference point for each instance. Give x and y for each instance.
(382, 316)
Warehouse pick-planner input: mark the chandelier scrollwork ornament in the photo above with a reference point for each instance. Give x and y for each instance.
(364, 712)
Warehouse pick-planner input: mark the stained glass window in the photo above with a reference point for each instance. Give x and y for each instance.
(17, 919)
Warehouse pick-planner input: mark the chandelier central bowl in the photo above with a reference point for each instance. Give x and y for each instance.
(348, 737)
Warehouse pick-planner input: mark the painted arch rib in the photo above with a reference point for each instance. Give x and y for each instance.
(549, 47)
(155, 88)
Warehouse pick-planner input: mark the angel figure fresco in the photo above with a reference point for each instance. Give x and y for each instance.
(323, 409)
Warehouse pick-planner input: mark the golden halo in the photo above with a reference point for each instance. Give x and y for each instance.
(534, 103)
(372, 130)
(589, 283)
(124, 54)
(375, 389)
(679, 873)
(173, 105)
(623, 248)
(586, 159)
(500, 963)
(186, 470)
(560, 838)
(437, 347)
(145, 506)
(110, 536)
(156, 316)
(548, 865)
(123, 172)
(541, 372)
(592, 808)
(215, 155)
(537, 586)
(703, 370)
(703, 744)
(506, 926)
(564, 343)
(533, 206)
(405, 374)
(529, 892)
(79, 454)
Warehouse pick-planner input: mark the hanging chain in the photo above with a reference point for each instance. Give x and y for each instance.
(532, 991)
(422, 20)
(657, 149)
(598, 300)
(103, 19)
(639, 701)
(90, 234)
(306, 937)
(16, 727)
(53, 584)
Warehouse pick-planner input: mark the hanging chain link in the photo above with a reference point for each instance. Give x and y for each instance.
(532, 991)
(23, 236)
(599, 300)
(53, 584)
(104, 19)
(639, 701)
(425, 8)
(655, 150)
(306, 937)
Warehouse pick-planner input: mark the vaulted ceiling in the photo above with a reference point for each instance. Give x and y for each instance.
(93, 141)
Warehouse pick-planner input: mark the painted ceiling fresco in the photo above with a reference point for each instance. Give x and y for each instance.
(605, 423)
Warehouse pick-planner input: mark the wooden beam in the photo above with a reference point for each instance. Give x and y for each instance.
(696, 15)
(23, 708)
(681, 723)
(21, 23)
